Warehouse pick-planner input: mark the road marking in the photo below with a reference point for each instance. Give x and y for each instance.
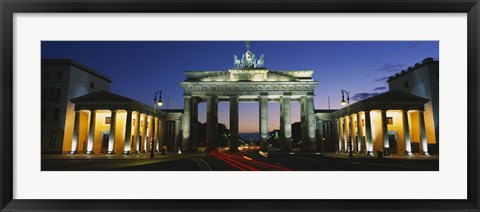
(209, 168)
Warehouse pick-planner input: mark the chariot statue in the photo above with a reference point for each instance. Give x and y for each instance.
(248, 59)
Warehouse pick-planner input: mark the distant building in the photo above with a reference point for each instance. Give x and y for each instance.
(422, 80)
(61, 80)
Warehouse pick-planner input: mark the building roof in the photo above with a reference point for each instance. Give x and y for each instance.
(104, 100)
(324, 111)
(102, 95)
(78, 65)
(391, 100)
(424, 62)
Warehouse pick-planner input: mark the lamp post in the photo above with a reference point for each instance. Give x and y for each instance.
(155, 103)
(350, 145)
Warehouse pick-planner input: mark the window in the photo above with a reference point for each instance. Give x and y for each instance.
(389, 120)
(45, 94)
(56, 113)
(92, 85)
(406, 84)
(363, 122)
(57, 94)
(43, 113)
(51, 94)
(46, 74)
(108, 120)
(59, 75)
(53, 139)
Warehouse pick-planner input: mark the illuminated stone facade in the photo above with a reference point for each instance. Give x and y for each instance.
(422, 80)
(63, 79)
(109, 123)
(249, 85)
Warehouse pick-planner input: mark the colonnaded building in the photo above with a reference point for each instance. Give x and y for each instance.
(95, 121)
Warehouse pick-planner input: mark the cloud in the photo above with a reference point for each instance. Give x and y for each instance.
(382, 79)
(390, 68)
(361, 96)
(412, 46)
(382, 88)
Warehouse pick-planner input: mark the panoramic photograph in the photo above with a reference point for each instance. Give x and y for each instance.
(240, 106)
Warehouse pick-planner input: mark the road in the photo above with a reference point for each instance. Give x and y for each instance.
(247, 160)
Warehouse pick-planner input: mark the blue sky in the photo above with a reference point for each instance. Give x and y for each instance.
(138, 68)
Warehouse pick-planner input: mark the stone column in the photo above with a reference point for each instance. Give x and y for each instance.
(141, 136)
(339, 136)
(310, 124)
(187, 115)
(111, 136)
(328, 133)
(75, 132)
(128, 133)
(423, 135)
(134, 147)
(384, 130)
(285, 123)
(353, 135)
(212, 123)
(303, 127)
(359, 133)
(146, 131)
(345, 134)
(91, 131)
(194, 124)
(157, 134)
(177, 134)
(234, 136)
(406, 133)
(163, 133)
(321, 135)
(368, 133)
(263, 121)
(151, 134)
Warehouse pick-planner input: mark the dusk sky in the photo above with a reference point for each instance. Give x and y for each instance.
(139, 68)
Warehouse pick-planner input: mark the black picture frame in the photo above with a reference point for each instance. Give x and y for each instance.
(10, 7)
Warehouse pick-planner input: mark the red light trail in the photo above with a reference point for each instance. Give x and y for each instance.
(241, 162)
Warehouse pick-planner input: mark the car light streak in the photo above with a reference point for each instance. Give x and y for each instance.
(245, 163)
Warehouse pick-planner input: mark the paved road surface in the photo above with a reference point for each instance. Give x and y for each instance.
(248, 160)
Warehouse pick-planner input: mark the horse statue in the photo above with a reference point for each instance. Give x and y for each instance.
(236, 61)
(260, 62)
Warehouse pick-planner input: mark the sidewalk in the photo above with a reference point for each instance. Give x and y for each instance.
(415, 156)
(83, 156)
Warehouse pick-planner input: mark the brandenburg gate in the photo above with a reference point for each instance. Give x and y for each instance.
(249, 81)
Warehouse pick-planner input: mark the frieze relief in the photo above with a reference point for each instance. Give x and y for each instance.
(250, 87)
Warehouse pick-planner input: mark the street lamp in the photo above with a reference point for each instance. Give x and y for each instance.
(343, 102)
(155, 103)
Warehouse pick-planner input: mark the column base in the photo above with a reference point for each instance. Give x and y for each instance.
(72, 152)
(426, 153)
(370, 153)
(126, 152)
(110, 152)
(89, 152)
(409, 153)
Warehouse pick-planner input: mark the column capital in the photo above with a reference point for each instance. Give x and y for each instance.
(287, 94)
(263, 95)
